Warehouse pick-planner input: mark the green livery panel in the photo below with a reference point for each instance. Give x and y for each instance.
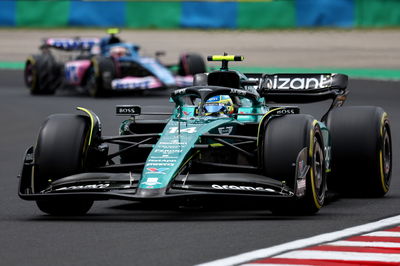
(174, 149)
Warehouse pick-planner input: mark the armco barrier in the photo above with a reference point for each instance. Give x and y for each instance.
(240, 14)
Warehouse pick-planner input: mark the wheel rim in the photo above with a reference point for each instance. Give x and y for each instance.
(91, 84)
(318, 169)
(387, 156)
(29, 75)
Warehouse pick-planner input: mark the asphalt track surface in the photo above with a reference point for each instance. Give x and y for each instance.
(338, 48)
(125, 233)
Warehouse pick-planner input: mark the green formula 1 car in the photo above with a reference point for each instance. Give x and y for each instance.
(223, 140)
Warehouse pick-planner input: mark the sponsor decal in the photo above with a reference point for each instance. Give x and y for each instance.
(156, 170)
(244, 188)
(225, 130)
(151, 181)
(65, 43)
(287, 111)
(164, 157)
(167, 151)
(238, 92)
(180, 91)
(305, 83)
(189, 130)
(301, 166)
(328, 157)
(162, 160)
(160, 164)
(95, 186)
(168, 146)
(135, 83)
(128, 110)
(29, 157)
(75, 70)
(174, 142)
(301, 173)
(301, 185)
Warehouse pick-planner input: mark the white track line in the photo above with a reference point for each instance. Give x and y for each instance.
(364, 244)
(339, 255)
(384, 234)
(273, 264)
(301, 243)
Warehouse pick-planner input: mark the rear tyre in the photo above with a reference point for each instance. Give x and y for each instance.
(284, 139)
(59, 152)
(191, 64)
(42, 74)
(101, 74)
(361, 151)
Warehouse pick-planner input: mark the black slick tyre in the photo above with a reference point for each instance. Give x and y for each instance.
(191, 64)
(60, 151)
(285, 138)
(42, 74)
(361, 151)
(101, 74)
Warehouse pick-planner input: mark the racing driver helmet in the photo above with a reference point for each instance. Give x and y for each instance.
(118, 51)
(219, 105)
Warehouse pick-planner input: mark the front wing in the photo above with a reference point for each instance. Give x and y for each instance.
(103, 185)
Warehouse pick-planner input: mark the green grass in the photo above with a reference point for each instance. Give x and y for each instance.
(12, 65)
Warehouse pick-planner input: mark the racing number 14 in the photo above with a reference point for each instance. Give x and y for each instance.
(189, 130)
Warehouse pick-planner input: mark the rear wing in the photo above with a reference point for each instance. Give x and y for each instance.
(71, 43)
(300, 88)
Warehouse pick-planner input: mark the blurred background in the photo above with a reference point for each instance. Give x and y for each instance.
(357, 37)
(241, 14)
(360, 38)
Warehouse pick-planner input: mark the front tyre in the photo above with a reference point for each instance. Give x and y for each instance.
(64, 207)
(361, 151)
(61, 151)
(285, 138)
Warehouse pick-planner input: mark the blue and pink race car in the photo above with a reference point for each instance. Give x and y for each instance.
(100, 66)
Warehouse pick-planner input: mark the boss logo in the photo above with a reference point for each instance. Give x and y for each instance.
(288, 111)
(128, 110)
